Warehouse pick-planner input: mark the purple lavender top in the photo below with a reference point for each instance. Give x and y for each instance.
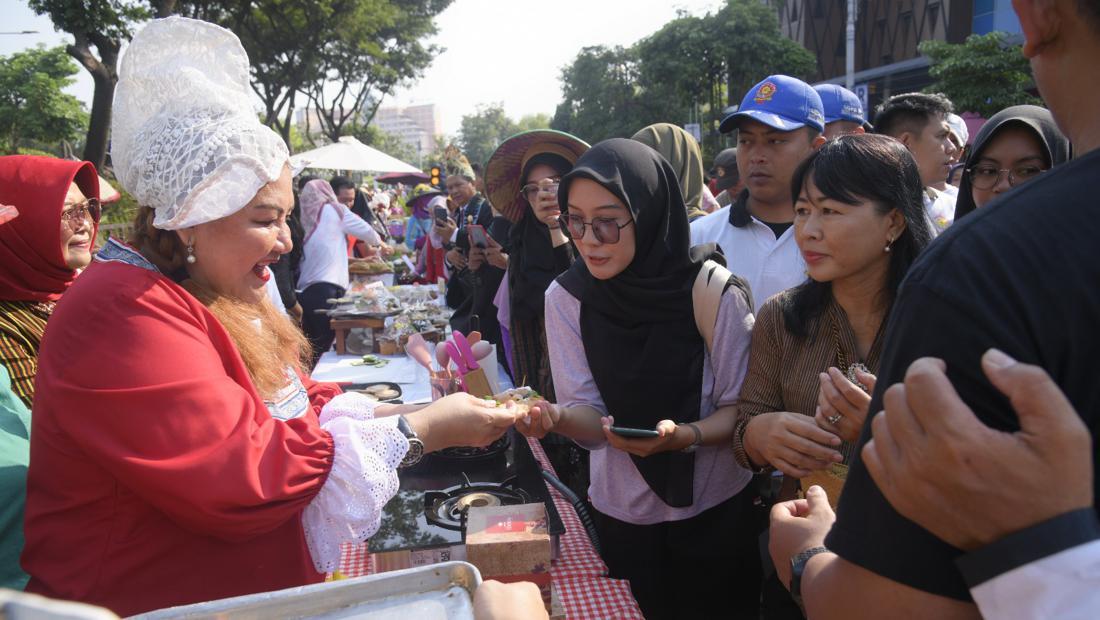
(617, 489)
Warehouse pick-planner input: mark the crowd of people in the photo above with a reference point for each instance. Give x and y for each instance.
(865, 348)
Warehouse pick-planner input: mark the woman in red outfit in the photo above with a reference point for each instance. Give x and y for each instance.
(179, 454)
(41, 252)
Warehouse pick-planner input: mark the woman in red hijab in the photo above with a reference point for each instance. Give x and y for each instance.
(41, 252)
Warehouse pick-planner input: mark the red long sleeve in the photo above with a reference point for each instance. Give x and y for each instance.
(158, 476)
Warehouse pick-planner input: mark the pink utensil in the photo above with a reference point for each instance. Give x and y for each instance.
(481, 349)
(417, 349)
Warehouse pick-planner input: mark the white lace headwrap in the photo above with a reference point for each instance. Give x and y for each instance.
(185, 136)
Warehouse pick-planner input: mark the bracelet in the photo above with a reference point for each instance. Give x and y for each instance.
(740, 454)
(698, 441)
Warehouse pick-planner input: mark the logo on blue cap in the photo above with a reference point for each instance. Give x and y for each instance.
(840, 104)
(781, 102)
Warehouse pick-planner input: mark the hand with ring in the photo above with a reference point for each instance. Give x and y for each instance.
(842, 405)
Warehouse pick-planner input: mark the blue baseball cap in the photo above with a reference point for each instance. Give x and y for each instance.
(840, 104)
(781, 102)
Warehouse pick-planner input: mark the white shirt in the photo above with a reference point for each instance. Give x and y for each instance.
(769, 265)
(325, 254)
(940, 209)
(1065, 585)
(1048, 570)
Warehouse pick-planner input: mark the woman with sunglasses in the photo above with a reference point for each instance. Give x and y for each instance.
(673, 511)
(522, 182)
(1014, 146)
(522, 179)
(41, 252)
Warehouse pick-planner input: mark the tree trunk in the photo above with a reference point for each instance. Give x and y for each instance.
(99, 125)
(104, 72)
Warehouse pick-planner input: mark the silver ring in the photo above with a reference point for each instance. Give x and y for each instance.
(833, 419)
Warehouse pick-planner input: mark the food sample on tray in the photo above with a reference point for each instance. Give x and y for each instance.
(522, 397)
(379, 392)
(359, 266)
(372, 299)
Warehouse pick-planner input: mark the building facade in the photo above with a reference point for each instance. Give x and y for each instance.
(887, 34)
(416, 125)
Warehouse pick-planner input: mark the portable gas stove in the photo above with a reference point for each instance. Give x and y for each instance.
(425, 522)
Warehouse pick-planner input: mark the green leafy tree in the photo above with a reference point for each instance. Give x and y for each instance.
(287, 42)
(343, 56)
(690, 70)
(983, 75)
(600, 95)
(482, 132)
(32, 105)
(99, 28)
(746, 33)
(376, 46)
(533, 121)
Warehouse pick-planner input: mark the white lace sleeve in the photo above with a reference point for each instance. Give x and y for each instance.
(363, 478)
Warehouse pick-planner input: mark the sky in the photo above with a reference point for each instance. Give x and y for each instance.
(496, 51)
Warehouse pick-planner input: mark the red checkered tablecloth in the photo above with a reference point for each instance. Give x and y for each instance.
(579, 575)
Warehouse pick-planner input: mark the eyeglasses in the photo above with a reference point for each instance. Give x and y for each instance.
(605, 229)
(531, 191)
(75, 215)
(987, 177)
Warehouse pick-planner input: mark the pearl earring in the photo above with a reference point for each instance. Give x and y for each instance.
(191, 254)
(889, 242)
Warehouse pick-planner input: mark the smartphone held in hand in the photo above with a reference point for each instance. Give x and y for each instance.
(478, 237)
(634, 433)
(441, 215)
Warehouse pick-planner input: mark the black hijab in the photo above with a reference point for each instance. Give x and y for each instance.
(531, 264)
(1033, 117)
(638, 328)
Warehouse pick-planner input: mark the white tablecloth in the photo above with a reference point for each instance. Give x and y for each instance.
(412, 377)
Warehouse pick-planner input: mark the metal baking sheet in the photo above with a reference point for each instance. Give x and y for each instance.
(439, 591)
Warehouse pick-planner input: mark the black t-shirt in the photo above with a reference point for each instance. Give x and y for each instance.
(778, 228)
(1021, 275)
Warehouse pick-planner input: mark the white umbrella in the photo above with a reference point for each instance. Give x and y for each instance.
(349, 154)
(107, 192)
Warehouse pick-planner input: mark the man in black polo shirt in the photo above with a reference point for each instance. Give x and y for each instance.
(1023, 278)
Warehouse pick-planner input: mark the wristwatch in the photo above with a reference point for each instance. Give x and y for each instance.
(798, 564)
(698, 438)
(416, 447)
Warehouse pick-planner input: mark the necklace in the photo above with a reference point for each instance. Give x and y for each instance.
(849, 370)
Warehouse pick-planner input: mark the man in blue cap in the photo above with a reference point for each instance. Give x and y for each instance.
(844, 113)
(779, 123)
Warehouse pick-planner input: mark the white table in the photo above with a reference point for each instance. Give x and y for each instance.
(412, 377)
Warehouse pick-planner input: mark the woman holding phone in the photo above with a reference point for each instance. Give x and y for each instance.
(673, 512)
(522, 178)
(522, 181)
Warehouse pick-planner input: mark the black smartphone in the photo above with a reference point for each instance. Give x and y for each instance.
(634, 433)
(441, 215)
(478, 237)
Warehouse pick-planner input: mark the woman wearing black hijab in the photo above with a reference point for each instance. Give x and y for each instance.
(1014, 146)
(674, 512)
(521, 179)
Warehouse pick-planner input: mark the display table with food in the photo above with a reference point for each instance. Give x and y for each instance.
(425, 522)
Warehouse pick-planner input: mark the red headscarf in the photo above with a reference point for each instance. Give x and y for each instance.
(32, 267)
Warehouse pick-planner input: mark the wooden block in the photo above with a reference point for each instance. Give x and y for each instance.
(506, 541)
(557, 610)
(477, 384)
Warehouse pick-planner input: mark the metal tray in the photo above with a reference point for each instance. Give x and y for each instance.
(357, 387)
(439, 591)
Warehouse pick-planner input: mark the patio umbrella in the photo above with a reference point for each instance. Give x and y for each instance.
(349, 154)
(408, 178)
(107, 192)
